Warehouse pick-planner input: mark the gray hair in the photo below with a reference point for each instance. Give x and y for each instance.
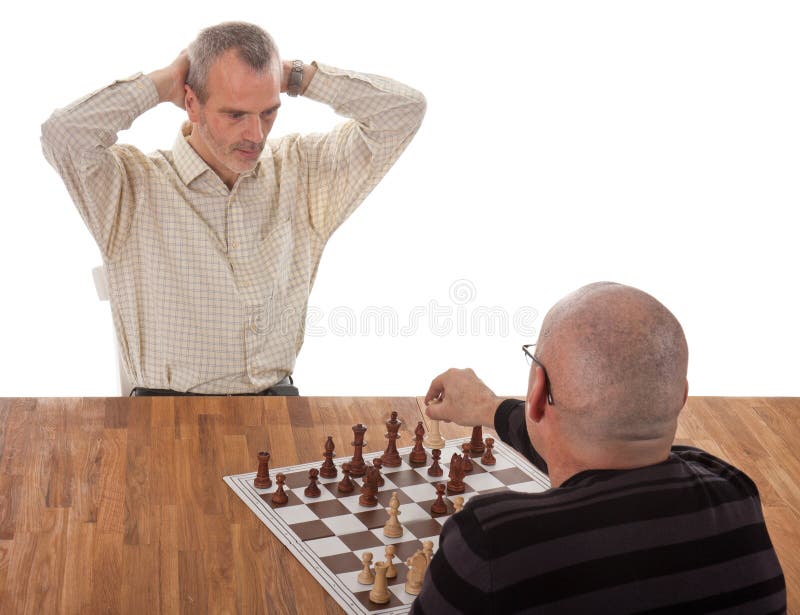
(254, 46)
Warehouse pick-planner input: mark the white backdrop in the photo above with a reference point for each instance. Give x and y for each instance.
(651, 143)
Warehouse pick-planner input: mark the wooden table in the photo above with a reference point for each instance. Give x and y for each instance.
(118, 505)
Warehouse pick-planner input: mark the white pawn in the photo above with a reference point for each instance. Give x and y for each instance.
(427, 550)
(393, 529)
(458, 503)
(391, 570)
(366, 576)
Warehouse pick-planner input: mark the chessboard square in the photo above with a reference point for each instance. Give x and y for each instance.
(327, 508)
(296, 514)
(388, 485)
(350, 578)
(325, 547)
(400, 592)
(404, 550)
(321, 480)
(344, 524)
(376, 517)
(311, 530)
(385, 496)
(406, 478)
(424, 529)
(426, 505)
(351, 503)
(479, 482)
(501, 463)
(324, 495)
(401, 468)
(360, 541)
(423, 492)
(511, 476)
(412, 512)
(292, 500)
(363, 598)
(297, 480)
(342, 562)
(529, 487)
(391, 541)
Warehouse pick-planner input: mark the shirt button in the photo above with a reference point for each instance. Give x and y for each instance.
(236, 245)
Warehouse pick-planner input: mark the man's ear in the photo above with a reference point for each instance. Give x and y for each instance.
(192, 105)
(537, 397)
(685, 393)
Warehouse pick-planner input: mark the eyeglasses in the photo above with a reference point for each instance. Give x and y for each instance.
(533, 359)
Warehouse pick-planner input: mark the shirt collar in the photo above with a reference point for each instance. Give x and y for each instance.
(190, 165)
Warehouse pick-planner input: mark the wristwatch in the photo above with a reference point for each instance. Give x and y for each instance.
(295, 78)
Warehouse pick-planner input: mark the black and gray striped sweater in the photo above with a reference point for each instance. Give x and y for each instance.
(683, 536)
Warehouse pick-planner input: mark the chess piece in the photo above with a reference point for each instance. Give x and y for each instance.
(262, 480)
(328, 469)
(357, 465)
(456, 474)
(488, 457)
(417, 564)
(434, 439)
(427, 550)
(391, 570)
(435, 469)
(390, 457)
(380, 590)
(369, 490)
(346, 485)
(418, 456)
(439, 507)
(366, 576)
(280, 497)
(458, 503)
(393, 529)
(312, 491)
(476, 442)
(468, 467)
(378, 464)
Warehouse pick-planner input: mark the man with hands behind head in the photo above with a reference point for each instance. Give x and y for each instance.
(211, 248)
(631, 523)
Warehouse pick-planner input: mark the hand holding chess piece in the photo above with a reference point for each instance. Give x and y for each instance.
(459, 395)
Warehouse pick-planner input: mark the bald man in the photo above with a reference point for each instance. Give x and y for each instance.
(631, 523)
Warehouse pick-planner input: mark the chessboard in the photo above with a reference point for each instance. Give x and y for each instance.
(330, 533)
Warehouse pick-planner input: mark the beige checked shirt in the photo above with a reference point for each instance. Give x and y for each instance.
(209, 286)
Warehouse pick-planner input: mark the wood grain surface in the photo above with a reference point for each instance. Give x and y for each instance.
(118, 505)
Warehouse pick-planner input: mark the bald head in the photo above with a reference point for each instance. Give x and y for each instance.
(617, 360)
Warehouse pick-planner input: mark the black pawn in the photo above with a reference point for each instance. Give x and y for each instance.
(435, 469)
(312, 491)
(346, 485)
(280, 497)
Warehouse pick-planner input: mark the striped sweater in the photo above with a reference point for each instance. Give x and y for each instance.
(683, 536)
